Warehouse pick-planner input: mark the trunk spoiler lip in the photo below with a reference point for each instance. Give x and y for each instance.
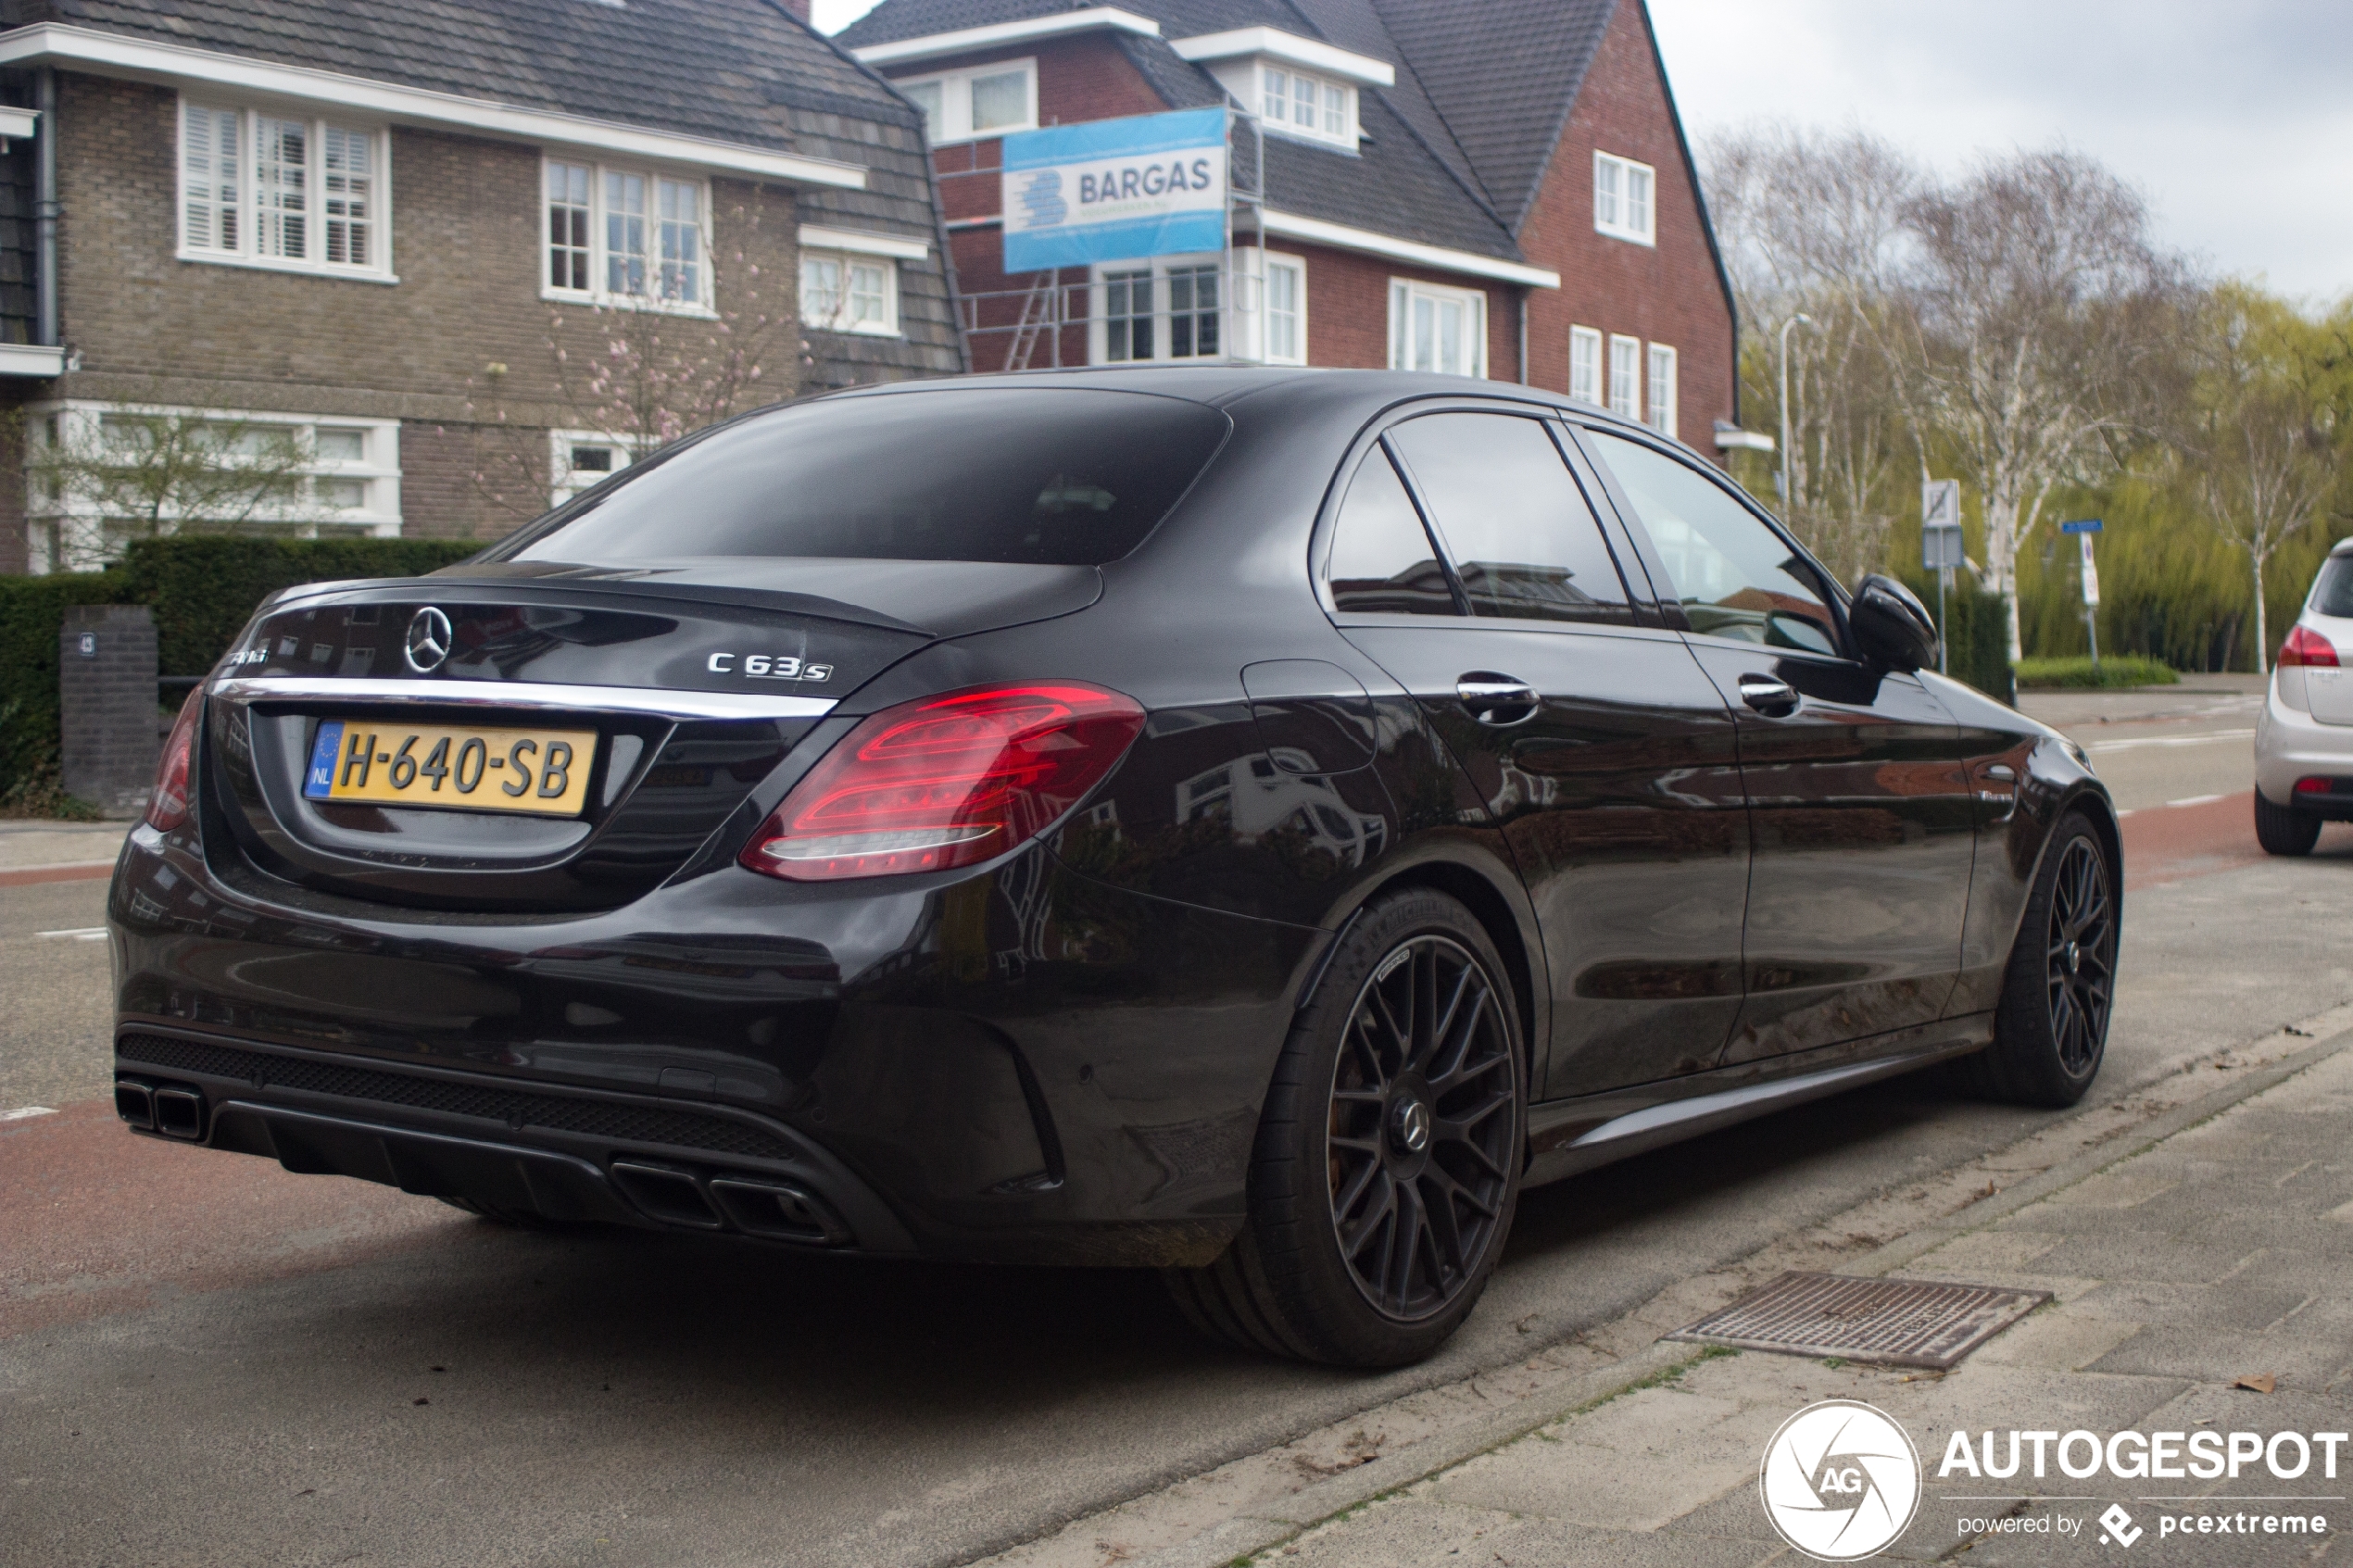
(660, 702)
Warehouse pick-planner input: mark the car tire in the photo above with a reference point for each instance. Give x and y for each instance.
(2050, 1030)
(1386, 1164)
(2284, 830)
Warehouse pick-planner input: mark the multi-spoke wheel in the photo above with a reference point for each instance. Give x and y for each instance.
(1389, 1155)
(1419, 1142)
(2080, 954)
(2051, 1029)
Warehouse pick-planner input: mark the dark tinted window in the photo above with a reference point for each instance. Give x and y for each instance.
(1523, 540)
(1735, 576)
(2333, 591)
(1382, 563)
(1053, 477)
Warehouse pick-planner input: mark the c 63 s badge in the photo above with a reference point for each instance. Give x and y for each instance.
(769, 667)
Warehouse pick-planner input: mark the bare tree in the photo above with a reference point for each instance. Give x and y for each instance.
(2261, 429)
(1813, 224)
(142, 472)
(2035, 329)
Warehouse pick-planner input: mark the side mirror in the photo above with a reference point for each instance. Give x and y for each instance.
(1892, 627)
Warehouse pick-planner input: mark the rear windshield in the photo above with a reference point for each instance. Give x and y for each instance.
(1047, 476)
(2332, 593)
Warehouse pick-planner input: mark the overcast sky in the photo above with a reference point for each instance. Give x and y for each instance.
(2234, 119)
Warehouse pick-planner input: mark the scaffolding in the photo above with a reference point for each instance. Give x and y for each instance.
(1055, 314)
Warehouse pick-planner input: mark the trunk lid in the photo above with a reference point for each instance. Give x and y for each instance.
(2330, 691)
(687, 682)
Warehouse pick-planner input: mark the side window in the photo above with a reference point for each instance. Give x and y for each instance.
(1382, 562)
(1523, 540)
(1734, 574)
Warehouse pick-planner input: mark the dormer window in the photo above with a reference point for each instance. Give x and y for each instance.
(1306, 105)
(966, 106)
(1301, 87)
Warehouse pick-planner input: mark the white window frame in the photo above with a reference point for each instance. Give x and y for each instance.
(1321, 129)
(1585, 354)
(956, 100)
(1659, 393)
(598, 255)
(851, 261)
(1097, 333)
(246, 252)
(1403, 295)
(378, 468)
(569, 481)
(1625, 376)
(1295, 267)
(1616, 213)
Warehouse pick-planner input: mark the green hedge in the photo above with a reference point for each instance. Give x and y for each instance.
(2127, 669)
(203, 590)
(1976, 634)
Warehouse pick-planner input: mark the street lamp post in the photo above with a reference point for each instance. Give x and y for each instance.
(1787, 502)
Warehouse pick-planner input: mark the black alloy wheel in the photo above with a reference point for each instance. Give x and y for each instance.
(1420, 1128)
(2050, 1029)
(1386, 1165)
(2081, 951)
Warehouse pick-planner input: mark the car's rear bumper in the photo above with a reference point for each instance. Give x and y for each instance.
(1021, 1065)
(2290, 745)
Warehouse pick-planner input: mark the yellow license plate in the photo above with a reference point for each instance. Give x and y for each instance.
(544, 771)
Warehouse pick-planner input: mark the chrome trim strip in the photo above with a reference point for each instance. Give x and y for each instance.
(525, 694)
(1754, 1099)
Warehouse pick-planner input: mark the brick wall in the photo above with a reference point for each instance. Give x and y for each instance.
(1666, 293)
(1348, 309)
(465, 246)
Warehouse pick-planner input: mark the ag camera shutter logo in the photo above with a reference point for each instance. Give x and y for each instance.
(1840, 1480)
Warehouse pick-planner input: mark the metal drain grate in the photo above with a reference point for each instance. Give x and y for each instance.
(1896, 1322)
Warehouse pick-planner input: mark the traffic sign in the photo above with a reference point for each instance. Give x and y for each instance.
(2081, 526)
(2091, 573)
(1941, 525)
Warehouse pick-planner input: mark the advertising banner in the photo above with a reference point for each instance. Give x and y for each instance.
(1115, 189)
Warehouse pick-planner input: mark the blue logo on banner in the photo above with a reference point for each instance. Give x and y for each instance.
(320, 782)
(1043, 197)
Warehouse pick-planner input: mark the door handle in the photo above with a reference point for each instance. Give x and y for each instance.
(1497, 699)
(1770, 694)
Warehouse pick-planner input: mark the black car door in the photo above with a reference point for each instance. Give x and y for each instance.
(1592, 738)
(1858, 798)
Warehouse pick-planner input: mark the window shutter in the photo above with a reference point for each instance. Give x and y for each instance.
(350, 191)
(208, 178)
(282, 170)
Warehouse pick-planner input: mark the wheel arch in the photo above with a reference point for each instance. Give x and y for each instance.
(1497, 901)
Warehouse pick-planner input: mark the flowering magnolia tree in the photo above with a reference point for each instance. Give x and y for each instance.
(640, 376)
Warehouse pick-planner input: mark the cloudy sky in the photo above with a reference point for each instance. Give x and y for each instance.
(2235, 119)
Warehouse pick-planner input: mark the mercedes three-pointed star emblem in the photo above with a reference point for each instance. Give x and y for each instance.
(428, 641)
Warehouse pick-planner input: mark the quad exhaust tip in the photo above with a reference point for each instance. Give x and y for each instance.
(174, 1111)
(760, 1206)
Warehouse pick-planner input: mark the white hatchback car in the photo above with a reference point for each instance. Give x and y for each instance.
(2303, 741)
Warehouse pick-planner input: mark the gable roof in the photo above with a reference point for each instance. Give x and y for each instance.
(1487, 119)
(725, 70)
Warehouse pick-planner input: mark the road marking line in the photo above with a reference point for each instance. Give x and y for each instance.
(25, 1112)
(79, 934)
(2197, 800)
(2170, 740)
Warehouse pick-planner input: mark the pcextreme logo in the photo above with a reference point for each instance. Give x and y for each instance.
(1840, 1480)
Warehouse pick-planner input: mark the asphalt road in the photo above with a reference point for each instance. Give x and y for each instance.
(206, 1360)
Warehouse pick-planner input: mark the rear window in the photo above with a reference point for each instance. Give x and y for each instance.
(1037, 475)
(2332, 593)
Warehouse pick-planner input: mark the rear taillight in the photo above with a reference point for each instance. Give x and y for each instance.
(167, 807)
(2307, 646)
(946, 781)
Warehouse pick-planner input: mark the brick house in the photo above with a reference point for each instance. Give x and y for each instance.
(1500, 189)
(405, 236)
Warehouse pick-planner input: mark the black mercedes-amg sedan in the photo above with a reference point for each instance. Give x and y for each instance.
(1247, 824)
